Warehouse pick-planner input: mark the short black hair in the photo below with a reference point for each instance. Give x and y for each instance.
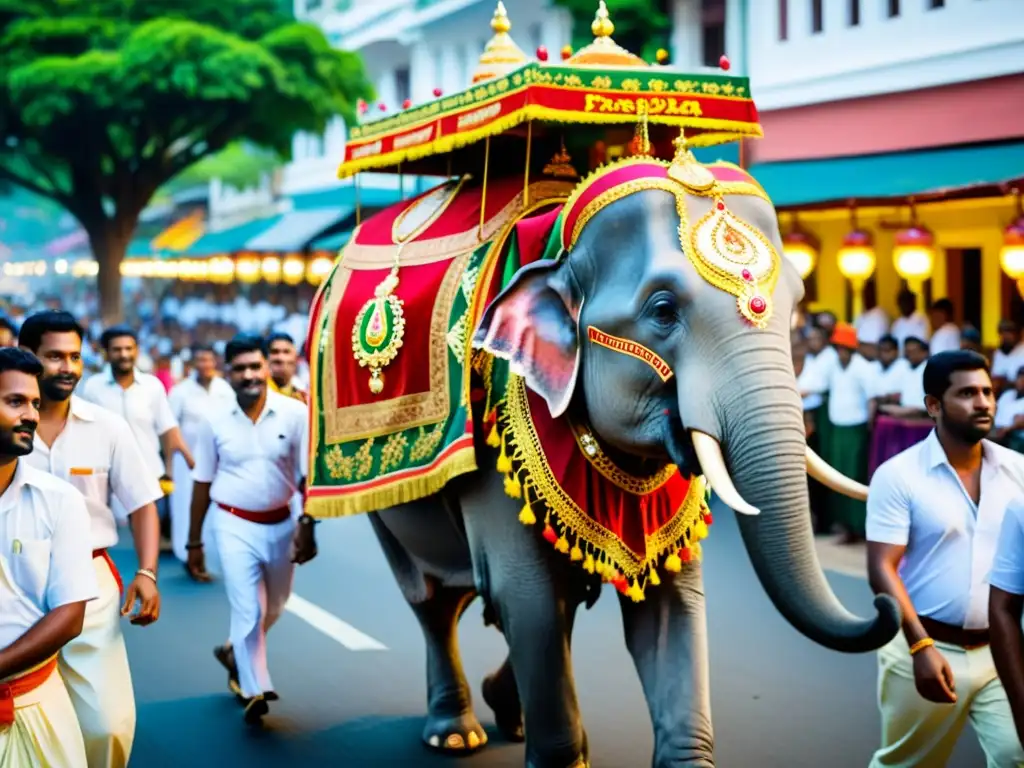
(198, 348)
(243, 343)
(916, 340)
(8, 325)
(939, 369)
(48, 321)
(944, 305)
(117, 332)
(20, 360)
(888, 339)
(279, 336)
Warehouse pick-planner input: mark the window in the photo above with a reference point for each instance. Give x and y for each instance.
(894, 8)
(712, 31)
(783, 19)
(933, 4)
(817, 20)
(403, 85)
(854, 13)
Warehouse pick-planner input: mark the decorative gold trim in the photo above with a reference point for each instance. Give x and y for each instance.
(639, 486)
(399, 238)
(616, 193)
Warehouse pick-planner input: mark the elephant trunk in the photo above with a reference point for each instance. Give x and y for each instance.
(761, 430)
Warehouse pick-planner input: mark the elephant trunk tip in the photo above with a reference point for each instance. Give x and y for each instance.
(869, 634)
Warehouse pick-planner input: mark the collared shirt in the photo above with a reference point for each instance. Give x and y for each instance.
(815, 375)
(1007, 365)
(849, 390)
(904, 327)
(872, 325)
(143, 405)
(912, 392)
(945, 339)
(1008, 569)
(97, 453)
(917, 500)
(292, 389)
(254, 466)
(45, 553)
(1009, 406)
(890, 381)
(191, 403)
(806, 382)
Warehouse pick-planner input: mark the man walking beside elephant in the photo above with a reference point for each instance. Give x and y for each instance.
(933, 518)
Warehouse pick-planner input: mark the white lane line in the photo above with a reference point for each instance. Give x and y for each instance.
(332, 626)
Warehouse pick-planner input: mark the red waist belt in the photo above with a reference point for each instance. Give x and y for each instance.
(270, 517)
(113, 568)
(27, 682)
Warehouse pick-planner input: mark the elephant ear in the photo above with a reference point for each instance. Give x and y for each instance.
(533, 324)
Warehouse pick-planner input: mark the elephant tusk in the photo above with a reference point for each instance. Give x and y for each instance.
(709, 453)
(832, 478)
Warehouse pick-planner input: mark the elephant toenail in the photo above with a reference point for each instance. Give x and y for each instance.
(435, 741)
(455, 741)
(473, 739)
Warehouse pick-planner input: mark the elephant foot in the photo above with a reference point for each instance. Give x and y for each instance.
(579, 762)
(502, 697)
(462, 734)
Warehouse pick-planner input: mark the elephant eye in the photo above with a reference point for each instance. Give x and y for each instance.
(664, 308)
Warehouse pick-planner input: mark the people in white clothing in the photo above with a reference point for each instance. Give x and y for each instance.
(247, 461)
(1005, 609)
(934, 514)
(892, 372)
(1009, 423)
(871, 326)
(46, 581)
(203, 392)
(910, 323)
(910, 403)
(1008, 357)
(95, 451)
(945, 331)
(141, 400)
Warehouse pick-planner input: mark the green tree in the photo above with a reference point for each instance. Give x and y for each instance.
(102, 102)
(641, 26)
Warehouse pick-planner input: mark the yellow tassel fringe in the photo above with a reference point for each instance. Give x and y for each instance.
(492, 439)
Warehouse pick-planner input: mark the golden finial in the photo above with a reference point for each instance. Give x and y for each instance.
(602, 26)
(561, 165)
(500, 23)
(501, 55)
(686, 169)
(641, 144)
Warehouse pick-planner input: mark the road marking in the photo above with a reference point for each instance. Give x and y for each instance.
(332, 626)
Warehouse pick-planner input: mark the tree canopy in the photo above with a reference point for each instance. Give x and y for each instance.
(104, 101)
(641, 26)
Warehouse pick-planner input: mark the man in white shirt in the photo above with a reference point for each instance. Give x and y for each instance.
(910, 403)
(910, 323)
(1009, 422)
(283, 361)
(95, 451)
(141, 400)
(871, 326)
(192, 400)
(946, 333)
(892, 371)
(46, 581)
(247, 461)
(1008, 357)
(934, 514)
(1005, 610)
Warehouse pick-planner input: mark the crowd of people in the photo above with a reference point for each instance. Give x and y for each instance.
(849, 375)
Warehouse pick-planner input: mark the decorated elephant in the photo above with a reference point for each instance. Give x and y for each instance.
(631, 348)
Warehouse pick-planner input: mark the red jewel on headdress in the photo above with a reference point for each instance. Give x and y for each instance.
(721, 205)
(745, 274)
(757, 305)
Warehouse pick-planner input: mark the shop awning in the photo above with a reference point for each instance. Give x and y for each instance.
(331, 242)
(295, 230)
(182, 233)
(897, 175)
(231, 240)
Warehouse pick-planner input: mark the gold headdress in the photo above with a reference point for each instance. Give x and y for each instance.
(501, 54)
(604, 52)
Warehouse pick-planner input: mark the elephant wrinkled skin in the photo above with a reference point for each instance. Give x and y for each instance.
(627, 275)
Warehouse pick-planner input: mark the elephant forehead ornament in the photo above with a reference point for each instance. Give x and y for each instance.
(726, 251)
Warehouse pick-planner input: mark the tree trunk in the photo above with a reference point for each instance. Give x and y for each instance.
(109, 245)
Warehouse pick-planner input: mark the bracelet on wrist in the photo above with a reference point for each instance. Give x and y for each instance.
(920, 645)
(194, 545)
(147, 573)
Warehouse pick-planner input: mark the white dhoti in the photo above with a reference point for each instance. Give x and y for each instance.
(257, 570)
(181, 518)
(45, 732)
(95, 670)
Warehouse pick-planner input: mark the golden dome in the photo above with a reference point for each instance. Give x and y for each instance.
(604, 52)
(501, 54)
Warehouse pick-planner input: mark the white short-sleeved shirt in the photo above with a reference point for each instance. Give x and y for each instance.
(97, 454)
(191, 402)
(1008, 569)
(1007, 365)
(945, 339)
(872, 325)
(849, 390)
(254, 466)
(890, 381)
(45, 551)
(916, 500)
(1009, 406)
(143, 405)
(914, 326)
(912, 392)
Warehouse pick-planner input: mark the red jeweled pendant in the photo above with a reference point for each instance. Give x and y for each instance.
(757, 305)
(745, 274)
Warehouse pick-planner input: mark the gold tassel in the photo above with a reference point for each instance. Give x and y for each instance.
(599, 567)
(562, 545)
(652, 578)
(588, 563)
(635, 593)
(526, 516)
(493, 438)
(576, 554)
(504, 462)
(701, 529)
(698, 551)
(512, 487)
(673, 563)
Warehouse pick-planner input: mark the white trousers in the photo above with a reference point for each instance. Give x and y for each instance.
(180, 504)
(95, 670)
(917, 733)
(45, 731)
(257, 570)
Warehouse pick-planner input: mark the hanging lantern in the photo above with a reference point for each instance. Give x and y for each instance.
(914, 255)
(247, 269)
(1011, 257)
(271, 269)
(221, 269)
(801, 249)
(318, 269)
(856, 257)
(1020, 287)
(293, 269)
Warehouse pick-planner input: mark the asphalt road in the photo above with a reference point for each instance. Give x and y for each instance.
(778, 700)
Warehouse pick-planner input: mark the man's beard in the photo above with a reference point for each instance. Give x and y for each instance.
(969, 432)
(247, 397)
(9, 445)
(123, 366)
(54, 393)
